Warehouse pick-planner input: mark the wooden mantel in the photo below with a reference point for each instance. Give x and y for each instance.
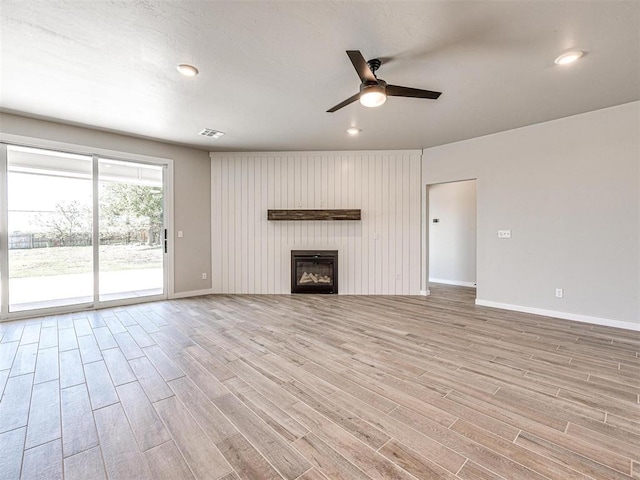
(342, 214)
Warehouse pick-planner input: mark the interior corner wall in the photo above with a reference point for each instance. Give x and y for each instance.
(568, 190)
(452, 238)
(191, 188)
(379, 254)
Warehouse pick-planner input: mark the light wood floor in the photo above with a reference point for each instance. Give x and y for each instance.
(314, 387)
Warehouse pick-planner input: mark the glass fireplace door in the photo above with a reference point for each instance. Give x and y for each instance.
(314, 271)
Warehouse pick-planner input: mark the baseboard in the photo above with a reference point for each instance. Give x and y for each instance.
(452, 282)
(191, 293)
(426, 293)
(564, 315)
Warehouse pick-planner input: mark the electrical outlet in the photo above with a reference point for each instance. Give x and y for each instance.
(504, 233)
(204, 276)
(559, 293)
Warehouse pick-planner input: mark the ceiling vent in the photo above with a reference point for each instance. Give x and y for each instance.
(210, 132)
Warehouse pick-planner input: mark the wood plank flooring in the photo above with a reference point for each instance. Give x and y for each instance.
(317, 387)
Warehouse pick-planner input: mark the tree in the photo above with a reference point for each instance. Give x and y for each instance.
(130, 208)
(68, 223)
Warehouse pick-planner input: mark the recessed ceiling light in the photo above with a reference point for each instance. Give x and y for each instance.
(187, 70)
(569, 57)
(353, 131)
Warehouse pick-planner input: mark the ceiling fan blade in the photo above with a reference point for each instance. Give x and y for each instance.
(360, 64)
(396, 91)
(345, 103)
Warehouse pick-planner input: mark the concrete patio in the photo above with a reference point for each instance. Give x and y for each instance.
(58, 290)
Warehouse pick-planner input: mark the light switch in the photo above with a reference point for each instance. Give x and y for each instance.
(180, 234)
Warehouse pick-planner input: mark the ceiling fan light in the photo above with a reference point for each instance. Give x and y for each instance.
(373, 96)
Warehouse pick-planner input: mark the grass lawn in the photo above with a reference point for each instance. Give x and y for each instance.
(39, 262)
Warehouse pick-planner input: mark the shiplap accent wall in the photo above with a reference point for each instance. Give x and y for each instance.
(378, 255)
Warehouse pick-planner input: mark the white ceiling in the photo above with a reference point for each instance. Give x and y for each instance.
(270, 69)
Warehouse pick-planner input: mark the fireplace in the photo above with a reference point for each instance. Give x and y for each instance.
(314, 271)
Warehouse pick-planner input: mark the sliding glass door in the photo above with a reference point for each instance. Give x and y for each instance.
(78, 230)
(131, 229)
(49, 203)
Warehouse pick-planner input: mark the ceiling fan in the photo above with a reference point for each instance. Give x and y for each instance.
(373, 90)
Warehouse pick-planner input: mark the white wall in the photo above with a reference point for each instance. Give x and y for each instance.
(378, 255)
(569, 191)
(192, 202)
(452, 240)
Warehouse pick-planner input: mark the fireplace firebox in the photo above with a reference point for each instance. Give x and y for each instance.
(314, 271)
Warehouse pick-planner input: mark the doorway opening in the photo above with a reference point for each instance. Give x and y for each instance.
(452, 235)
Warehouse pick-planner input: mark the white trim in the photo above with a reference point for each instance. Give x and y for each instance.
(169, 214)
(426, 293)
(452, 282)
(191, 293)
(67, 147)
(121, 302)
(49, 311)
(82, 307)
(212, 231)
(564, 315)
(213, 155)
(95, 226)
(4, 236)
